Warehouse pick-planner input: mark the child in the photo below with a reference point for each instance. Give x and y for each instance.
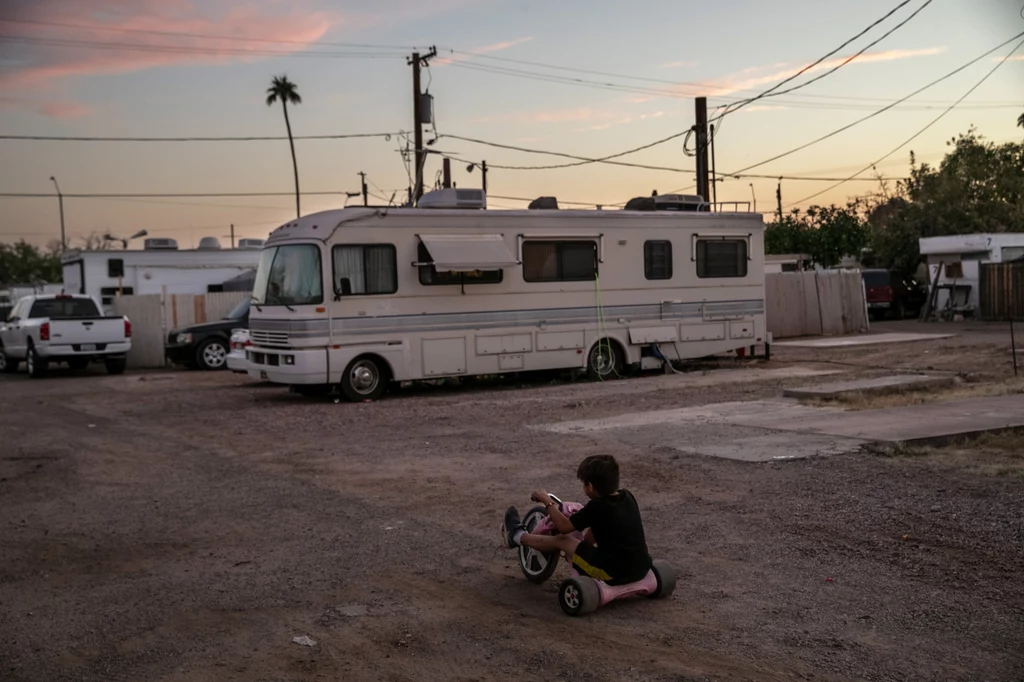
(613, 517)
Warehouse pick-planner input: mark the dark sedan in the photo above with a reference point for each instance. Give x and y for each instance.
(206, 346)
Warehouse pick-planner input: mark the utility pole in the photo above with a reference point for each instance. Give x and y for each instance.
(60, 202)
(714, 180)
(362, 177)
(753, 196)
(232, 235)
(416, 61)
(483, 173)
(701, 127)
(778, 198)
(447, 166)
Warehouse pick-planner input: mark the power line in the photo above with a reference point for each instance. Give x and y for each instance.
(922, 130)
(206, 36)
(179, 49)
(807, 68)
(879, 111)
(255, 138)
(166, 195)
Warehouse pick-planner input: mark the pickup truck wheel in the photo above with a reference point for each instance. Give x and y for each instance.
(7, 365)
(212, 354)
(116, 366)
(36, 366)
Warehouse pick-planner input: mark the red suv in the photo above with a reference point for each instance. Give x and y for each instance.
(890, 295)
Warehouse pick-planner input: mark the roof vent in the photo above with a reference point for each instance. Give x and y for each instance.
(666, 202)
(544, 204)
(249, 243)
(160, 244)
(454, 198)
(209, 244)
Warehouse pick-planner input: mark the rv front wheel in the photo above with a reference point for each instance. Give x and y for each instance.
(364, 379)
(604, 361)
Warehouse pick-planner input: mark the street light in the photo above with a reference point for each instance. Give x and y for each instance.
(753, 196)
(60, 202)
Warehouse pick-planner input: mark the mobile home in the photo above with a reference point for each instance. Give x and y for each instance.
(357, 297)
(961, 257)
(158, 268)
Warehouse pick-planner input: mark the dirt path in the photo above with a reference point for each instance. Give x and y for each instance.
(188, 526)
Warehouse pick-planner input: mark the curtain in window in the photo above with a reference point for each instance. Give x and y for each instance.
(348, 262)
(540, 261)
(380, 270)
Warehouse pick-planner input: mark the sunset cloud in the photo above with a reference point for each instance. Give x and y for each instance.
(676, 65)
(136, 38)
(486, 49)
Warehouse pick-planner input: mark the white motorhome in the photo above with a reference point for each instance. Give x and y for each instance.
(355, 298)
(158, 268)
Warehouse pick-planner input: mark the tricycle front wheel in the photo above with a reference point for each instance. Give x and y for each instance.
(536, 566)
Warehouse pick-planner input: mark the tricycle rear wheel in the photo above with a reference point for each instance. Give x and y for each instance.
(579, 595)
(666, 576)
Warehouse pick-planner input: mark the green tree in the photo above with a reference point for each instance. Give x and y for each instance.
(825, 233)
(23, 263)
(287, 92)
(789, 235)
(978, 187)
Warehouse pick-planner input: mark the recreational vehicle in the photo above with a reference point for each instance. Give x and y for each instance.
(356, 298)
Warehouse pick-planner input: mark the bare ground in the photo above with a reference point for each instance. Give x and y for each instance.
(186, 526)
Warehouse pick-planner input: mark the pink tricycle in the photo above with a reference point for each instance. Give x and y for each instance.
(580, 594)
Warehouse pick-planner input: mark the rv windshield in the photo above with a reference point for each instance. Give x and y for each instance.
(289, 275)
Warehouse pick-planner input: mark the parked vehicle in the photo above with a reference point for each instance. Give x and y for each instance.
(46, 329)
(354, 299)
(206, 346)
(890, 295)
(238, 344)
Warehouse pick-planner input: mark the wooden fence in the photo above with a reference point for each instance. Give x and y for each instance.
(1001, 291)
(829, 303)
(153, 316)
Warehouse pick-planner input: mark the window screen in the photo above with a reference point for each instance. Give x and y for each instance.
(367, 269)
(429, 275)
(721, 257)
(567, 261)
(658, 260)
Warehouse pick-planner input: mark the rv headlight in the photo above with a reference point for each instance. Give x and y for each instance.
(184, 338)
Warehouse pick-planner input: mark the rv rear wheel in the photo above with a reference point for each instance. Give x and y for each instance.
(604, 361)
(365, 378)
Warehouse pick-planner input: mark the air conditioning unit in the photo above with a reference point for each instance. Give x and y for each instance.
(666, 202)
(160, 244)
(209, 244)
(249, 243)
(454, 198)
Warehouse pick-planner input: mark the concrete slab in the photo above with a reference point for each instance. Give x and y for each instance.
(759, 431)
(925, 424)
(860, 340)
(876, 386)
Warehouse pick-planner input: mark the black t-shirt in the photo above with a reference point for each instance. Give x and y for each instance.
(615, 522)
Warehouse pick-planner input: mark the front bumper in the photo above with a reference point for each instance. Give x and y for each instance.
(289, 367)
(180, 354)
(237, 361)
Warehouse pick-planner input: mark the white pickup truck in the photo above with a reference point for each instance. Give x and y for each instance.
(41, 330)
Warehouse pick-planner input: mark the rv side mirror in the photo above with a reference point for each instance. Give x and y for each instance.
(346, 286)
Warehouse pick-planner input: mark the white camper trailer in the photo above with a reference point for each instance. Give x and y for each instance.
(355, 298)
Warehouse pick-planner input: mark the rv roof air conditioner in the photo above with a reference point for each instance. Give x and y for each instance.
(454, 198)
(544, 204)
(160, 244)
(209, 244)
(250, 243)
(666, 202)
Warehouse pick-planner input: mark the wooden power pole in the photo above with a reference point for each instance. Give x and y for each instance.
(701, 126)
(416, 61)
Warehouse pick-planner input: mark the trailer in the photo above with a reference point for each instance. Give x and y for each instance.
(356, 298)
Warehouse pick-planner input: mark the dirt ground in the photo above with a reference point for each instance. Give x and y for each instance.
(184, 526)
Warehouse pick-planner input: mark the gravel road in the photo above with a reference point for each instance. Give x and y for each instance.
(187, 526)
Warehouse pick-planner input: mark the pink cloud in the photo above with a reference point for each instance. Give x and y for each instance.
(64, 110)
(130, 48)
(676, 65)
(486, 49)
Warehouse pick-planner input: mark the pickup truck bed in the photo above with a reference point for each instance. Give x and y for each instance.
(46, 329)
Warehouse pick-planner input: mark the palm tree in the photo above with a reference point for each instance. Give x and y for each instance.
(283, 89)
(1020, 120)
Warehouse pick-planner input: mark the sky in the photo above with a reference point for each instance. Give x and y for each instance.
(585, 78)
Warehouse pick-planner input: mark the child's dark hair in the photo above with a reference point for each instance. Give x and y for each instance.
(600, 471)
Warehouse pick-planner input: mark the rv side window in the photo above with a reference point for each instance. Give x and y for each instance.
(430, 276)
(721, 257)
(658, 260)
(570, 261)
(115, 267)
(365, 269)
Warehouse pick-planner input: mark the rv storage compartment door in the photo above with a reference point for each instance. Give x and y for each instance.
(467, 252)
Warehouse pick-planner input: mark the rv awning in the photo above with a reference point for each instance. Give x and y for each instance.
(467, 252)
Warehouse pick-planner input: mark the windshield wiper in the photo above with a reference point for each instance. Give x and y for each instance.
(255, 304)
(288, 307)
